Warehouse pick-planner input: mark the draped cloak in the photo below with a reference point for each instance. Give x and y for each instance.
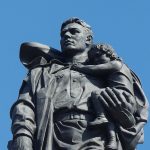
(32, 114)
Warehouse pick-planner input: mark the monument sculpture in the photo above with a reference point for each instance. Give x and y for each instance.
(83, 97)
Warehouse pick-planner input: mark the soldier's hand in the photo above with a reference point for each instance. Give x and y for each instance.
(120, 105)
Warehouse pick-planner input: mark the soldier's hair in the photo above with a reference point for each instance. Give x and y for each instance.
(107, 49)
(80, 22)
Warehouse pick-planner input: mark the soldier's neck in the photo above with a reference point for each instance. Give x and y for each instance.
(78, 58)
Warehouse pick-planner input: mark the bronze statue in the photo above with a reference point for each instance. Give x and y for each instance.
(81, 98)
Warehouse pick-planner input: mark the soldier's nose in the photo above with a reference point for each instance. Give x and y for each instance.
(67, 34)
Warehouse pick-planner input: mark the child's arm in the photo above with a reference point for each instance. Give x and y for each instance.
(100, 69)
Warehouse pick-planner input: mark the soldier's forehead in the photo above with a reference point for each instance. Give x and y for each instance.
(73, 25)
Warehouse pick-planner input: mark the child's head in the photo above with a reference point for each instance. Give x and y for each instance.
(102, 53)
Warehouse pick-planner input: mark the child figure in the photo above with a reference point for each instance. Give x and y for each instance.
(108, 65)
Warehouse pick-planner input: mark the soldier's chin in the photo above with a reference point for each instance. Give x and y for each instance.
(70, 50)
(68, 47)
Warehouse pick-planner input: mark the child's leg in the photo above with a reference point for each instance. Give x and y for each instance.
(112, 143)
(99, 110)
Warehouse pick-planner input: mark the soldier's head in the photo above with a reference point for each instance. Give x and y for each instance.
(76, 36)
(102, 53)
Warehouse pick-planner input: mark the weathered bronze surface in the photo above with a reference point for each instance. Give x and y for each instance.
(82, 98)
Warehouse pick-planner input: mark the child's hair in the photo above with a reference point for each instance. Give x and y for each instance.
(104, 48)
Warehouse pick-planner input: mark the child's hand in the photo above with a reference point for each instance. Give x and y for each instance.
(77, 66)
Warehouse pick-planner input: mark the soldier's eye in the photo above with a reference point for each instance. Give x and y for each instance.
(74, 31)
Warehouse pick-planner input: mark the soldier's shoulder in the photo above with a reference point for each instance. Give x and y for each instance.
(33, 54)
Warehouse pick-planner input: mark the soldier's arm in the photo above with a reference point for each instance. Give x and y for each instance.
(130, 117)
(23, 118)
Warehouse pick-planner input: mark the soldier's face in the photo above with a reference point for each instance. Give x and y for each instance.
(73, 38)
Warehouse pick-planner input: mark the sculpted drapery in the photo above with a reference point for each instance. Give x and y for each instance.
(54, 110)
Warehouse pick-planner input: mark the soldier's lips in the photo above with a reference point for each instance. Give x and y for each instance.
(66, 43)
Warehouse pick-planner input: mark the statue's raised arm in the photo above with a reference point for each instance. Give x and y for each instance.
(33, 54)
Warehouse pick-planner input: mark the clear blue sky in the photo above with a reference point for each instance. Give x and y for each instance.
(123, 24)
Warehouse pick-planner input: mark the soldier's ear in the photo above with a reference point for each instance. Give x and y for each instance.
(89, 39)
